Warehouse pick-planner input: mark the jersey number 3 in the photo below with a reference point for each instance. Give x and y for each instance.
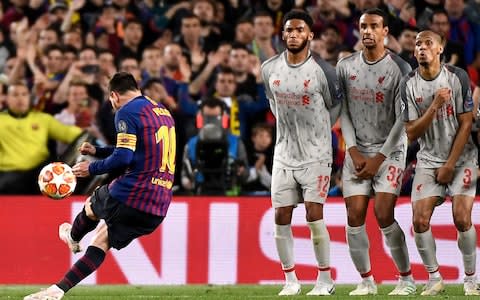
(169, 147)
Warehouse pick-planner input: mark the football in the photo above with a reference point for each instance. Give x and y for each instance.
(56, 180)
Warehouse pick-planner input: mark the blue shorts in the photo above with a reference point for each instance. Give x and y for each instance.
(124, 223)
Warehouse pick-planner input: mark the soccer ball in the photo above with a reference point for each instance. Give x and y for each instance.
(56, 180)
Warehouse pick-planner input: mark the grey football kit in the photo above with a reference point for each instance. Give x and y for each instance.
(301, 98)
(435, 145)
(371, 120)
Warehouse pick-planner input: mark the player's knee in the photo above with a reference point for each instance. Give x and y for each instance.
(89, 212)
(462, 223)
(421, 223)
(356, 220)
(384, 219)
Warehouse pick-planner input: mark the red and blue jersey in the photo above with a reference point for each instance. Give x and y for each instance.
(145, 148)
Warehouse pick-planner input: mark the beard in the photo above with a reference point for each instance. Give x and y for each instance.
(299, 48)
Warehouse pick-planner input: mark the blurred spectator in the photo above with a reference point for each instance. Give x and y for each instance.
(260, 157)
(132, 39)
(214, 161)
(452, 51)
(337, 186)
(332, 42)
(192, 42)
(265, 43)
(80, 111)
(47, 76)
(407, 42)
(175, 65)
(474, 70)
(244, 33)
(205, 10)
(462, 30)
(424, 10)
(24, 142)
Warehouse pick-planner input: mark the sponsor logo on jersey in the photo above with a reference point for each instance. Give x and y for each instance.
(276, 82)
(381, 79)
(352, 77)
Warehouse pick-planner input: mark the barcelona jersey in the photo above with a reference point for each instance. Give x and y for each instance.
(148, 130)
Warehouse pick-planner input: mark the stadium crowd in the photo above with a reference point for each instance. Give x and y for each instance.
(183, 53)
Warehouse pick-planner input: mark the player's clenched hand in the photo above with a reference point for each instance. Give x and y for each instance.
(357, 158)
(87, 149)
(81, 169)
(372, 164)
(444, 174)
(442, 96)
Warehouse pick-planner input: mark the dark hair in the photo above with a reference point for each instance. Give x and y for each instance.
(53, 47)
(150, 82)
(262, 13)
(378, 12)
(122, 82)
(212, 102)
(298, 14)
(438, 11)
(240, 46)
(224, 70)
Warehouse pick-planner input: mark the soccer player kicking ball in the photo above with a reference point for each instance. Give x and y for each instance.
(376, 142)
(438, 112)
(306, 99)
(135, 203)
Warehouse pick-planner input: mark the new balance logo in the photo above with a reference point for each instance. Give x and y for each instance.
(353, 77)
(276, 82)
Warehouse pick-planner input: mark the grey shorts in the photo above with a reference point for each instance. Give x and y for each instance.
(290, 187)
(387, 180)
(425, 184)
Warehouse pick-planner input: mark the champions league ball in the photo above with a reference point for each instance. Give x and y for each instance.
(56, 180)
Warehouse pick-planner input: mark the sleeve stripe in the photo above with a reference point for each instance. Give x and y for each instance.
(126, 136)
(127, 147)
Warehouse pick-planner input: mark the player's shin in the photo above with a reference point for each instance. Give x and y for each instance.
(427, 249)
(358, 246)
(284, 243)
(395, 239)
(321, 247)
(85, 266)
(467, 243)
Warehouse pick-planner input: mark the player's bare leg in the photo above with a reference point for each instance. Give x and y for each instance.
(467, 241)
(358, 244)
(395, 240)
(284, 243)
(422, 213)
(320, 237)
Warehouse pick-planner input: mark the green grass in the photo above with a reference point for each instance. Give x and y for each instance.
(130, 292)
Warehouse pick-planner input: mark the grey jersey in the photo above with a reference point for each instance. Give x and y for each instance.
(372, 101)
(417, 96)
(300, 98)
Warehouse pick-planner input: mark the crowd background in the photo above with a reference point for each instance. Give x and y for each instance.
(183, 53)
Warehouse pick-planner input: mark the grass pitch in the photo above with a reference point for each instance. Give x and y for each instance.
(224, 292)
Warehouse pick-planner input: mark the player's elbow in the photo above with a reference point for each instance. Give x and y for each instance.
(412, 134)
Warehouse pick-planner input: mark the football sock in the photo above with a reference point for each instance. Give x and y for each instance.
(358, 246)
(82, 225)
(427, 249)
(321, 247)
(284, 243)
(467, 243)
(85, 266)
(395, 239)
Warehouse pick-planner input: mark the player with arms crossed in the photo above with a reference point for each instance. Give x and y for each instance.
(376, 142)
(135, 203)
(438, 112)
(305, 98)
